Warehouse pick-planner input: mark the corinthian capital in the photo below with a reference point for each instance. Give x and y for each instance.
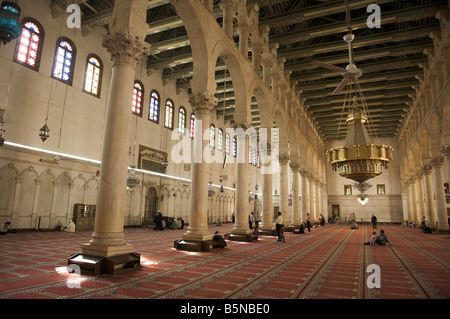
(446, 150)
(295, 167)
(284, 159)
(202, 103)
(125, 48)
(437, 161)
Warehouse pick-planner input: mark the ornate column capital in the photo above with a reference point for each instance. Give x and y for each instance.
(125, 48)
(202, 103)
(426, 169)
(295, 167)
(283, 159)
(446, 150)
(437, 161)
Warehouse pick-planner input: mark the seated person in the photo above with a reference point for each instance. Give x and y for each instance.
(218, 238)
(219, 222)
(382, 239)
(373, 239)
(5, 228)
(426, 230)
(70, 228)
(301, 230)
(354, 226)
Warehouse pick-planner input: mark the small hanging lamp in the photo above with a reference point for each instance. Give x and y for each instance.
(44, 132)
(10, 26)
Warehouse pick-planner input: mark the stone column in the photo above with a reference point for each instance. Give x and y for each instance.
(446, 151)
(296, 207)
(266, 171)
(108, 238)
(312, 211)
(446, 55)
(318, 199)
(284, 188)
(228, 8)
(266, 71)
(256, 58)
(202, 105)
(407, 213)
(441, 209)
(420, 196)
(304, 194)
(241, 203)
(244, 32)
(404, 190)
(430, 213)
(412, 199)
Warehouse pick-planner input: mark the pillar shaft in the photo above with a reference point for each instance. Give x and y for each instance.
(242, 204)
(430, 214)
(108, 238)
(296, 206)
(441, 209)
(202, 104)
(304, 195)
(284, 188)
(266, 171)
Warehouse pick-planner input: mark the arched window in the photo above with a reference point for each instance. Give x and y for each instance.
(254, 156)
(192, 127)
(153, 113)
(138, 98)
(250, 155)
(220, 139)
(234, 146)
(182, 120)
(212, 136)
(227, 143)
(258, 163)
(93, 76)
(63, 65)
(168, 121)
(29, 46)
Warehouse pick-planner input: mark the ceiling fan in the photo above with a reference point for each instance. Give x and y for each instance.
(351, 71)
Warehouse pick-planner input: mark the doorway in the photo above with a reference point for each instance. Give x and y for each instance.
(151, 206)
(335, 210)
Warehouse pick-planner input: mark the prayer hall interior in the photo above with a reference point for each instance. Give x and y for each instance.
(134, 131)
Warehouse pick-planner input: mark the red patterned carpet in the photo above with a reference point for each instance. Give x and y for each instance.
(330, 262)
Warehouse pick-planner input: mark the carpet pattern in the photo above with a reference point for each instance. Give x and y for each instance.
(329, 262)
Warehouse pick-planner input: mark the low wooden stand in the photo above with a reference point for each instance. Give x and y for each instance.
(193, 245)
(94, 265)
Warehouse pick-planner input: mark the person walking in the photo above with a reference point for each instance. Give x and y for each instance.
(308, 222)
(374, 222)
(279, 227)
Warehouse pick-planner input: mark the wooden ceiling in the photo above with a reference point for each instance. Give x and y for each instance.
(309, 30)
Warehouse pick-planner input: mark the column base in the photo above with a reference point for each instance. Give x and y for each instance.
(242, 237)
(195, 245)
(96, 265)
(267, 232)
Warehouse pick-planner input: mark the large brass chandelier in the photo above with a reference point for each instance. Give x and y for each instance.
(359, 159)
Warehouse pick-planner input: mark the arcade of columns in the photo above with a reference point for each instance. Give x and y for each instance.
(300, 146)
(424, 141)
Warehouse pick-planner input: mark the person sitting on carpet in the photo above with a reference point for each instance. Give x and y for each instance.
(5, 228)
(427, 230)
(354, 226)
(301, 230)
(382, 239)
(70, 228)
(372, 240)
(218, 238)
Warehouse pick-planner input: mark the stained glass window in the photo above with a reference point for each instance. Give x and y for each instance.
(254, 156)
(64, 60)
(227, 143)
(220, 139)
(29, 45)
(212, 136)
(182, 120)
(138, 97)
(153, 113)
(192, 127)
(250, 155)
(169, 115)
(234, 146)
(92, 80)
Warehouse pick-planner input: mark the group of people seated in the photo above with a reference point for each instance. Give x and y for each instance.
(161, 223)
(380, 239)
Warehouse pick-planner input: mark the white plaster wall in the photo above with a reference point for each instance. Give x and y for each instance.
(77, 121)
